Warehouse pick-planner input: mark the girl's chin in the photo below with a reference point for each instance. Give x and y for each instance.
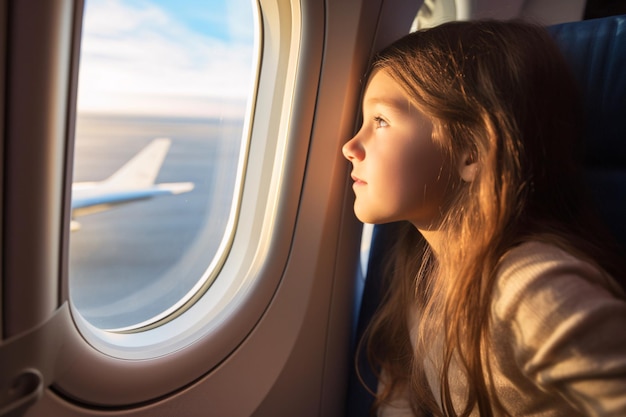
(370, 218)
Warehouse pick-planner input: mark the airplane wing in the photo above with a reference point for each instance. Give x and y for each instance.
(133, 181)
(142, 169)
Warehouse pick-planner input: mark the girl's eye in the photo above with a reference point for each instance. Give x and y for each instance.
(380, 122)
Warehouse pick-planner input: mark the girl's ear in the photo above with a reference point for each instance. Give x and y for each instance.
(468, 167)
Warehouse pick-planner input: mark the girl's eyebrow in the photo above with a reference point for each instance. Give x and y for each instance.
(394, 103)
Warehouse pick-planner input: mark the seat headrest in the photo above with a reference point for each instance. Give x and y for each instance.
(596, 51)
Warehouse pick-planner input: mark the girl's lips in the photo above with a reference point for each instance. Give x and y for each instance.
(357, 180)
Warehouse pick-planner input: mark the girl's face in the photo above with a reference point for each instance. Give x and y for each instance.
(399, 173)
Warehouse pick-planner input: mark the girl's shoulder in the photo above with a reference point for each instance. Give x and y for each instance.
(558, 321)
(540, 276)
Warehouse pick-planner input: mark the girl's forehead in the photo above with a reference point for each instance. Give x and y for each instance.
(382, 88)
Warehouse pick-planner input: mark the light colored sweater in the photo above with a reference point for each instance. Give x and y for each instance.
(558, 340)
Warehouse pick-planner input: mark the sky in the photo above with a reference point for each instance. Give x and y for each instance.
(189, 58)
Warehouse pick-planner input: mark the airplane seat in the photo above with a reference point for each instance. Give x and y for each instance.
(596, 51)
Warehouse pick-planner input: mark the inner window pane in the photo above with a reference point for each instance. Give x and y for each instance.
(164, 90)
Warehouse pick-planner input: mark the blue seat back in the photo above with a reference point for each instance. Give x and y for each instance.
(596, 52)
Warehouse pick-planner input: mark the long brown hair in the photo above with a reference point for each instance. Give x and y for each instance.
(501, 93)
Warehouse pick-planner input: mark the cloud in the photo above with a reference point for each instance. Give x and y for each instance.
(140, 59)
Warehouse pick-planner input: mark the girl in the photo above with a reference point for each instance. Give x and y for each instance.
(501, 299)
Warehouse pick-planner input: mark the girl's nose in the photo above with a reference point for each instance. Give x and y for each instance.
(352, 150)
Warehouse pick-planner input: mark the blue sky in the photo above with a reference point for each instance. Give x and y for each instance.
(201, 16)
(165, 57)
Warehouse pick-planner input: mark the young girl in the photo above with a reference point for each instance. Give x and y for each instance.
(501, 299)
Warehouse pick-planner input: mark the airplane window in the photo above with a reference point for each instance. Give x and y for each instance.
(163, 98)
